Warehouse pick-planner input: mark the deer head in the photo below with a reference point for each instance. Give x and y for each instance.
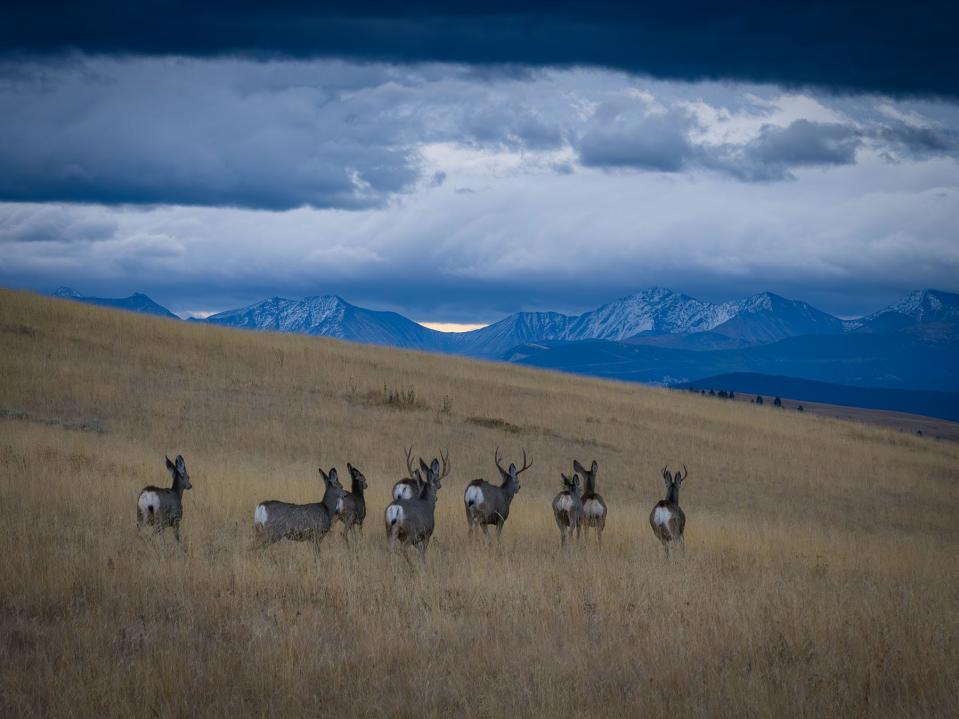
(511, 476)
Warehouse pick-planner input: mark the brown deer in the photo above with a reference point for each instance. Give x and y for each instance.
(594, 507)
(667, 519)
(488, 503)
(410, 522)
(568, 508)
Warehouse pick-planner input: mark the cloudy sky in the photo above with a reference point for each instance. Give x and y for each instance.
(460, 166)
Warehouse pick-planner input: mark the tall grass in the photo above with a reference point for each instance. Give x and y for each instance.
(820, 575)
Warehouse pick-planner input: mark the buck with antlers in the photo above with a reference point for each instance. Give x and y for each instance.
(274, 520)
(409, 487)
(667, 519)
(410, 522)
(488, 504)
(568, 508)
(594, 508)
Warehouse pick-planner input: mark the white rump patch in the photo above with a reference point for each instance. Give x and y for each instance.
(402, 491)
(259, 516)
(593, 508)
(148, 503)
(394, 514)
(565, 503)
(474, 497)
(661, 516)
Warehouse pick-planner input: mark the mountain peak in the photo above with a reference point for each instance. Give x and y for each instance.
(925, 305)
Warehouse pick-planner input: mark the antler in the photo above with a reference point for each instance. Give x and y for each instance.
(685, 474)
(525, 465)
(446, 463)
(500, 467)
(414, 474)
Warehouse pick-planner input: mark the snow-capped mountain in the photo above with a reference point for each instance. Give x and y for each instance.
(921, 307)
(331, 316)
(651, 313)
(494, 340)
(655, 311)
(766, 317)
(137, 302)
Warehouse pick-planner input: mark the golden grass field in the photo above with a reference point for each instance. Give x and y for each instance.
(820, 575)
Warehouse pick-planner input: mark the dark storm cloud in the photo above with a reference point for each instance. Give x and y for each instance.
(330, 134)
(777, 150)
(918, 142)
(660, 142)
(882, 46)
(657, 142)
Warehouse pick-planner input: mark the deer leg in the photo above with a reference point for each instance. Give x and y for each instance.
(499, 530)
(577, 532)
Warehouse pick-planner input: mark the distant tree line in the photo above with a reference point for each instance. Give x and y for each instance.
(729, 394)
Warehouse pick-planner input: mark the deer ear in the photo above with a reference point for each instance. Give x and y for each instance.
(323, 475)
(435, 466)
(169, 464)
(424, 467)
(180, 464)
(667, 475)
(334, 477)
(594, 468)
(512, 471)
(578, 467)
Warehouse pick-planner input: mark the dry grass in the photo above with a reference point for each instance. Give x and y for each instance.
(820, 576)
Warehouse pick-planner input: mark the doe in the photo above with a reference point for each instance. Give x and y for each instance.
(162, 508)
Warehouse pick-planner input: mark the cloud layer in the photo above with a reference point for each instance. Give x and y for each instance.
(460, 194)
(330, 134)
(880, 46)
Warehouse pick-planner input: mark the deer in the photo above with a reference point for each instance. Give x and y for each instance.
(274, 520)
(162, 508)
(568, 508)
(667, 519)
(351, 507)
(411, 486)
(594, 508)
(410, 522)
(487, 503)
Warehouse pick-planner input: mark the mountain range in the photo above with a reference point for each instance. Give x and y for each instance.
(137, 302)
(656, 336)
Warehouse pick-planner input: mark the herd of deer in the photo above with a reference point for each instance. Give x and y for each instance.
(409, 518)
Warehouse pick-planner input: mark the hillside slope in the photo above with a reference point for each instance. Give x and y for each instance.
(806, 572)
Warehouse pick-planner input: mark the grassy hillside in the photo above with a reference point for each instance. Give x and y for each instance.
(820, 573)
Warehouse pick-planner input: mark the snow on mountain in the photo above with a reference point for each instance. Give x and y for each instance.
(137, 302)
(766, 317)
(495, 339)
(330, 316)
(656, 310)
(921, 307)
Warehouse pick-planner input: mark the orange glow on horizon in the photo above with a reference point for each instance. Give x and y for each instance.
(451, 326)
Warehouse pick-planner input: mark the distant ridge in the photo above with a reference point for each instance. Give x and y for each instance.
(944, 405)
(655, 336)
(137, 302)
